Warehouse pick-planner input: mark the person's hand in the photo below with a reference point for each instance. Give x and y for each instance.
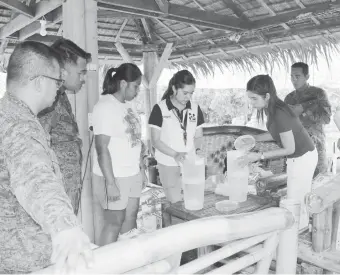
(297, 109)
(68, 247)
(113, 191)
(248, 158)
(180, 157)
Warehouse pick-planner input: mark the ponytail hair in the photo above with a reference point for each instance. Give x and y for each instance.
(178, 80)
(126, 71)
(263, 85)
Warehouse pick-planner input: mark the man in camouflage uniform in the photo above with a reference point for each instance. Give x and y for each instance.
(37, 223)
(59, 120)
(312, 106)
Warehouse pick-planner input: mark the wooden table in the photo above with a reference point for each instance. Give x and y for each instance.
(178, 210)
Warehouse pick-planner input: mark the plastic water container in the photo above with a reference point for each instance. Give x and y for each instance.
(193, 180)
(226, 205)
(237, 176)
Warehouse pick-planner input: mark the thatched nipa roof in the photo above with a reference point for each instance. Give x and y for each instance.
(233, 34)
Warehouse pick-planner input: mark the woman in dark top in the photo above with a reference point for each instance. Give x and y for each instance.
(285, 128)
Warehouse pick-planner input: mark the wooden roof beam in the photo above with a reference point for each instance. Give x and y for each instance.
(168, 28)
(291, 32)
(230, 4)
(178, 58)
(121, 30)
(178, 13)
(21, 21)
(127, 58)
(52, 19)
(287, 16)
(272, 13)
(197, 29)
(302, 6)
(146, 23)
(141, 31)
(161, 64)
(163, 5)
(17, 6)
(103, 14)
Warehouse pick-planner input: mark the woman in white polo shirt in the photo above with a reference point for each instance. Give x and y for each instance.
(117, 129)
(175, 131)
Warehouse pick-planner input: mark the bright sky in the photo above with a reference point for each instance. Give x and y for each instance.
(329, 77)
(318, 76)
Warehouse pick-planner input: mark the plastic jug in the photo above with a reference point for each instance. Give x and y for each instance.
(237, 176)
(193, 180)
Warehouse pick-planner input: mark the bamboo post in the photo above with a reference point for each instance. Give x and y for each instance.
(152, 71)
(335, 227)
(269, 246)
(92, 82)
(75, 28)
(324, 196)
(149, 62)
(160, 244)
(322, 230)
(288, 241)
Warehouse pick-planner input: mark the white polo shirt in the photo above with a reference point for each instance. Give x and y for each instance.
(121, 122)
(167, 118)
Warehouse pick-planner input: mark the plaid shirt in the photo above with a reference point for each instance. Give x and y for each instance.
(33, 202)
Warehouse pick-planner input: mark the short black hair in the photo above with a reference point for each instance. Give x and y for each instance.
(70, 51)
(303, 66)
(29, 59)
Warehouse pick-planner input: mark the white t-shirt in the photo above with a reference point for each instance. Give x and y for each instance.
(121, 122)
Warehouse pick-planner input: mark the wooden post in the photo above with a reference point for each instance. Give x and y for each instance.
(152, 72)
(79, 21)
(322, 230)
(288, 242)
(93, 96)
(149, 62)
(323, 196)
(269, 245)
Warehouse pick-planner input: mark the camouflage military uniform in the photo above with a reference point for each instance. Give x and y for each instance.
(33, 202)
(317, 112)
(60, 123)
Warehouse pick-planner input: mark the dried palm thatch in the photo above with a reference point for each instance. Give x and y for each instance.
(275, 56)
(238, 35)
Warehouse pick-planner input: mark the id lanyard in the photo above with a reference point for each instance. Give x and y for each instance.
(183, 126)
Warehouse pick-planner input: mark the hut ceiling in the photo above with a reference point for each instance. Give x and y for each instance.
(204, 33)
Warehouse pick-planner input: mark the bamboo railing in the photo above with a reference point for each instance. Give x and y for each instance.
(159, 252)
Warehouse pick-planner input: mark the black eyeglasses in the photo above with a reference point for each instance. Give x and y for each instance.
(60, 82)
